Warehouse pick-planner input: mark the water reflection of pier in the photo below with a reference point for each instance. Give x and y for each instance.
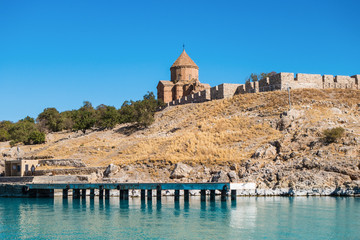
(147, 190)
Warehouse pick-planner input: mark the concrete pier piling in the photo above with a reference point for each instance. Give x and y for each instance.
(233, 194)
(186, 195)
(149, 194)
(158, 194)
(121, 194)
(203, 195)
(101, 192)
(212, 195)
(126, 194)
(83, 193)
(177, 195)
(65, 193)
(142, 194)
(223, 194)
(107, 193)
(92, 193)
(76, 193)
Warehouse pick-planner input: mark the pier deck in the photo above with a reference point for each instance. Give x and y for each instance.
(79, 190)
(133, 186)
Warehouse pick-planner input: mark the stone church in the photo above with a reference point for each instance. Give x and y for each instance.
(184, 80)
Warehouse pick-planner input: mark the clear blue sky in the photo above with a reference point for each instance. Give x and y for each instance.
(60, 53)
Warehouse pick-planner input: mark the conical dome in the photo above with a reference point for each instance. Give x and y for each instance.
(184, 61)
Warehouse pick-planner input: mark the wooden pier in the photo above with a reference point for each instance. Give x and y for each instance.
(80, 190)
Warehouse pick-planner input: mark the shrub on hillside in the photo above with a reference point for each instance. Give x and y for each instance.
(35, 137)
(333, 134)
(4, 130)
(106, 116)
(51, 120)
(67, 119)
(140, 112)
(26, 131)
(126, 112)
(84, 118)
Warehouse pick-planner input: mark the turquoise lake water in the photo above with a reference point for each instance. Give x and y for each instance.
(247, 218)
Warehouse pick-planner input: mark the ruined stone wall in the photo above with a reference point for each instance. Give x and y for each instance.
(280, 81)
(221, 91)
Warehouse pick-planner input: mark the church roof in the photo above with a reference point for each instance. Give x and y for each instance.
(184, 60)
(166, 83)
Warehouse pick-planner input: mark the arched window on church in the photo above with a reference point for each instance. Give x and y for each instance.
(189, 76)
(179, 75)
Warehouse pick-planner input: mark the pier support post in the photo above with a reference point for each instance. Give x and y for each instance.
(177, 195)
(101, 192)
(149, 194)
(142, 194)
(107, 193)
(203, 195)
(233, 194)
(76, 193)
(186, 195)
(83, 193)
(223, 194)
(92, 193)
(212, 195)
(126, 194)
(65, 193)
(122, 194)
(158, 194)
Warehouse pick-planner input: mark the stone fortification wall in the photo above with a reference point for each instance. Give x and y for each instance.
(280, 81)
(221, 91)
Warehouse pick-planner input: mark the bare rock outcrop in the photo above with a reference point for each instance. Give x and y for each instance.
(12, 153)
(111, 170)
(181, 170)
(219, 176)
(266, 151)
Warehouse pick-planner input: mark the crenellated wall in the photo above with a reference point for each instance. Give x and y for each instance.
(280, 81)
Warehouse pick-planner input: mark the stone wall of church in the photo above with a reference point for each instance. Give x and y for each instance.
(184, 74)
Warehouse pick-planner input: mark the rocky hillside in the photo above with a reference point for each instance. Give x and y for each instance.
(248, 138)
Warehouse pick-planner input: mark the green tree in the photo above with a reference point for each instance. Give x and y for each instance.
(84, 118)
(4, 130)
(67, 118)
(35, 137)
(107, 116)
(25, 131)
(140, 112)
(127, 112)
(51, 119)
(28, 119)
(254, 77)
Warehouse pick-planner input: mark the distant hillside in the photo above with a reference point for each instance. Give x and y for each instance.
(246, 134)
(213, 132)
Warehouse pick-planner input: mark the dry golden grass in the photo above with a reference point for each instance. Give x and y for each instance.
(211, 141)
